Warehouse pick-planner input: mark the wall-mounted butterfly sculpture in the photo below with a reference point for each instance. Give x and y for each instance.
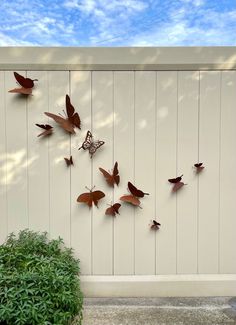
(113, 177)
(113, 209)
(26, 84)
(91, 145)
(48, 129)
(91, 197)
(71, 119)
(199, 167)
(69, 161)
(177, 183)
(135, 195)
(155, 225)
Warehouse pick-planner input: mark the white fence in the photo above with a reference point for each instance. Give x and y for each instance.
(156, 124)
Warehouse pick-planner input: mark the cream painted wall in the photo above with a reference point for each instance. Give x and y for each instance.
(156, 124)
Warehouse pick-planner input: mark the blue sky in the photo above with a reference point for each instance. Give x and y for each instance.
(117, 22)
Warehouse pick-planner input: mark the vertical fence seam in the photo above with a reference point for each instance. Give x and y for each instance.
(91, 112)
(134, 161)
(6, 151)
(219, 196)
(49, 174)
(155, 250)
(113, 141)
(177, 144)
(199, 91)
(70, 155)
(27, 156)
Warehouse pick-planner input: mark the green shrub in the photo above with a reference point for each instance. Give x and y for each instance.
(39, 282)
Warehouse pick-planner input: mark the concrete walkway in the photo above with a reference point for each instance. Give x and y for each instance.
(159, 311)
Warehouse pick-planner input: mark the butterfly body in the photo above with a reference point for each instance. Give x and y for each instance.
(90, 198)
(48, 129)
(91, 145)
(69, 161)
(26, 85)
(113, 209)
(175, 180)
(111, 178)
(69, 122)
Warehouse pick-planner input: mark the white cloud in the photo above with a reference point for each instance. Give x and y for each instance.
(9, 41)
(212, 28)
(116, 22)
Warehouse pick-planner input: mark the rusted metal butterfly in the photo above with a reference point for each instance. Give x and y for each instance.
(26, 84)
(91, 197)
(48, 129)
(177, 183)
(69, 122)
(199, 167)
(91, 145)
(133, 198)
(69, 161)
(113, 209)
(155, 225)
(111, 178)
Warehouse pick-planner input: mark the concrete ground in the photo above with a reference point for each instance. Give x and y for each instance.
(160, 311)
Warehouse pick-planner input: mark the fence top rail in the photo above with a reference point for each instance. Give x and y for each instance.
(118, 58)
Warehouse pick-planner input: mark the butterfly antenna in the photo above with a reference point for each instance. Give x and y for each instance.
(88, 188)
(146, 193)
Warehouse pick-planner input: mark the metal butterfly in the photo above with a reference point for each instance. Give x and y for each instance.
(91, 145)
(26, 84)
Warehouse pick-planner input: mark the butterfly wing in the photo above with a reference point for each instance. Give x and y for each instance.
(94, 147)
(175, 180)
(130, 199)
(22, 90)
(113, 210)
(69, 107)
(116, 177)
(60, 120)
(75, 120)
(86, 198)
(116, 207)
(87, 142)
(133, 190)
(96, 196)
(69, 161)
(110, 211)
(109, 178)
(64, 123)
(44, 126)
(72, 116)
(199, 169)
(24, 82)
(47, 129)
(178, 186)
(198, 165)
